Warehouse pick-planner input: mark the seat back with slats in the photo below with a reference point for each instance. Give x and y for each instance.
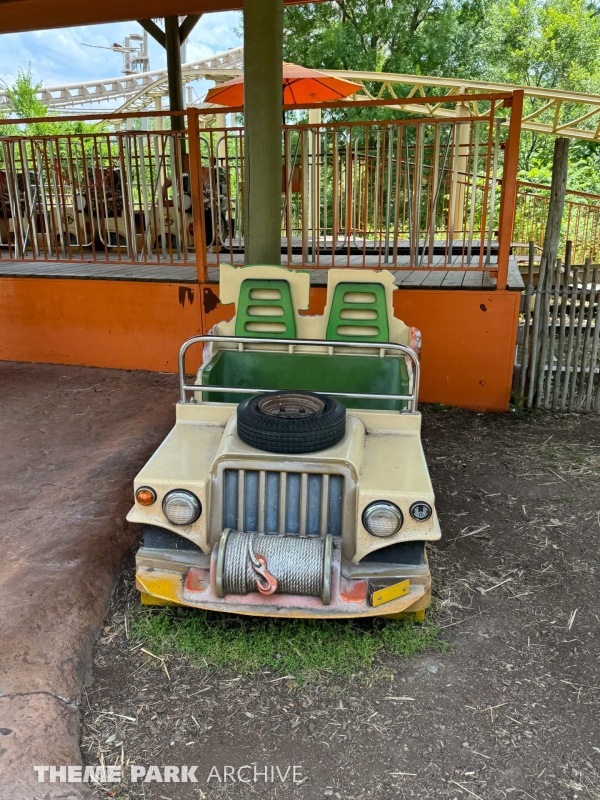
(358, 313)
(265, 309)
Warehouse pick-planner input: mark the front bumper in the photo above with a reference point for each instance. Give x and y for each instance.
(164, 580)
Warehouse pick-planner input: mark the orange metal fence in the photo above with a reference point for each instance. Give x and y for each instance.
(419, 194)
(422, 194)
(580, 222)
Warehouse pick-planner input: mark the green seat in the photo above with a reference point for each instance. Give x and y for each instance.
(265, 310)
(307, 371)
(358, 305)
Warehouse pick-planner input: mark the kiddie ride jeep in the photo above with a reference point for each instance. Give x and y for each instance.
(294, 482)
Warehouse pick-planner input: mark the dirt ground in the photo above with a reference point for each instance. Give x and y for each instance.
(71, 438)
(510, 711)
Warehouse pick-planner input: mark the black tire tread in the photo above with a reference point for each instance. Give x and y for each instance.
(291, 435)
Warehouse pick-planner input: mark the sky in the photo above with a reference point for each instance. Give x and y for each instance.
(60, 56)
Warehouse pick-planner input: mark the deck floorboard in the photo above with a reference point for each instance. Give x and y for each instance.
(406, 278)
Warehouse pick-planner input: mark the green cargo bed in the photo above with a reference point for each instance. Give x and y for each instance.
(308, 371)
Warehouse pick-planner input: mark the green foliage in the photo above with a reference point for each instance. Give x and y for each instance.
(550, 43)
(22, 95)
(553, 44)
(542, 43)
(536, 162)
(300, 647)
(517, 402)
(428, 37)
(383, 35)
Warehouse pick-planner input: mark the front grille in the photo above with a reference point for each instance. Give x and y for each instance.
(302, 503)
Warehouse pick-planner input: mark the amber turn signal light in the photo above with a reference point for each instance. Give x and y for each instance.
(145, 496)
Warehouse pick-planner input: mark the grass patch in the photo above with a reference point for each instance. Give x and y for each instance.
(517, 402)
(300, 647)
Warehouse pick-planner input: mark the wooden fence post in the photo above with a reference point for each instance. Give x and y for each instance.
(556, 205)
(525, 348)
(508, 197)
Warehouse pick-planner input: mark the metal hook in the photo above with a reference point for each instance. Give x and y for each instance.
(265, 582)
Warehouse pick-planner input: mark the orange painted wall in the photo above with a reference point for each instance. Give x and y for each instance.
(468, 336)
(469, 341)
(121, 324)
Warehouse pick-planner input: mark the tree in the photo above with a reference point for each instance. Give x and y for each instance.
(542, 43)
(427, 37)
(545, 43)
(25, 104)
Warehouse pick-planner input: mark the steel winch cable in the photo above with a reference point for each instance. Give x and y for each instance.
(301, 565)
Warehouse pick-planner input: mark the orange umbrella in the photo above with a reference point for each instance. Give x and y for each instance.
(300, 85)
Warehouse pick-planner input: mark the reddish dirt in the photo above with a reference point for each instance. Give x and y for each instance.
(511, 711)
(72, 438)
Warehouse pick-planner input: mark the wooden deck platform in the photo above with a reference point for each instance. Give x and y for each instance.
(156, 273)
(170, 273)
(393, 256)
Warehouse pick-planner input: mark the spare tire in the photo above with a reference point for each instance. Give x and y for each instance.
(291, 422)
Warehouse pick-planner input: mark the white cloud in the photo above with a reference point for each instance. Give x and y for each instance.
(60, 56)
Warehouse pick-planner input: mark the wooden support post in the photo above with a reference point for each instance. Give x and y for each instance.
(187, 26)
(556, 203)
(173, 47)
(172, 38)
(152, 28)
(314, 118)
(197, 194)
(263, 107)
(508, 197)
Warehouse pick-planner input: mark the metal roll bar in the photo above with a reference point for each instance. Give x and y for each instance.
(292, 343)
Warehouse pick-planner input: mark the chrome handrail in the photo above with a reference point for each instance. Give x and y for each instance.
(381, 346)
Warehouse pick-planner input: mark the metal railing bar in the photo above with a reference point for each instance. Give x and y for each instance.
(330, 344)
(368, 190)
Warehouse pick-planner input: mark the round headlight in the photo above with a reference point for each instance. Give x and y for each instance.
(382, 518)
(421, 511)
(181, 507)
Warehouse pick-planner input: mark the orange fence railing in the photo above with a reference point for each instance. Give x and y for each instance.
(425, 194)
(580, 221)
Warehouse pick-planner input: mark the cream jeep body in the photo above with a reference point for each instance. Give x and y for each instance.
(379, 458)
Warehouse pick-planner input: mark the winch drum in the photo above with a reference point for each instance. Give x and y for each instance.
(302, 565)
